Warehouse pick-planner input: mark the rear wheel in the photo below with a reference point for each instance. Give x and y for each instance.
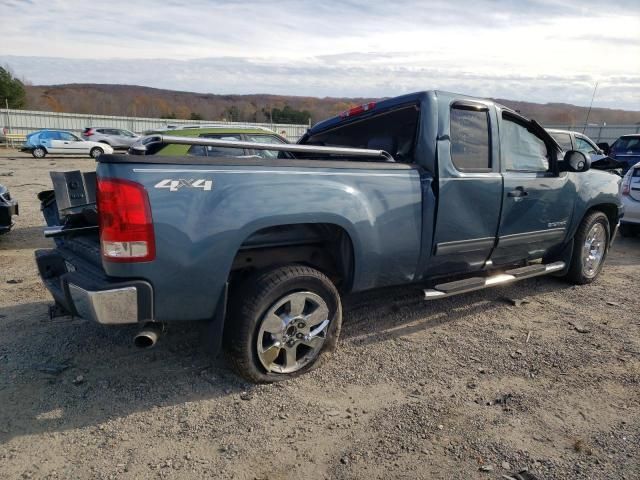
(39, 152)
(284, 322)
(591, 244)
(96, 152)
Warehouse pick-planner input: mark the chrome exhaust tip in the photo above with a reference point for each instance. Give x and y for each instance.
(149, 335)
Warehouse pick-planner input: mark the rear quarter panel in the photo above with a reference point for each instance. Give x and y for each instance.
(198, 232)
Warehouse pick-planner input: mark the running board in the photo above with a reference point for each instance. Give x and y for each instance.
(478, 283)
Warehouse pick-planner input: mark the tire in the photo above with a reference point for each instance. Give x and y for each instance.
(39, 152)
(260, 333)
(627, 230)
(96, 152)
(590, 242)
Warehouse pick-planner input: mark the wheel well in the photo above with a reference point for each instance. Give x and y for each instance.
(323, 246)
(104, 142)
(611, 211)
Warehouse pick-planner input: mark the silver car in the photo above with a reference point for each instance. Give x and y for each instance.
(630, 193)
(115, 137)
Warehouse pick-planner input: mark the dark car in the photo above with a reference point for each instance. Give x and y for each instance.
(626, 150)
(8, 208)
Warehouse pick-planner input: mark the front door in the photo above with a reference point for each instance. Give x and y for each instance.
(470, 189)
(537, 202)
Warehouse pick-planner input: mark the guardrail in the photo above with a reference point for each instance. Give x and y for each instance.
(26, 121)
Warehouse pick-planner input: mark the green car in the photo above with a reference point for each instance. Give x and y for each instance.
(151, 144)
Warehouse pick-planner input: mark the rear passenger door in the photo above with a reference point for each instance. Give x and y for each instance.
(537, 201)
(470, 188)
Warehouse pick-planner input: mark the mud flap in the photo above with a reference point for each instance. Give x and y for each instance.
(215, 327)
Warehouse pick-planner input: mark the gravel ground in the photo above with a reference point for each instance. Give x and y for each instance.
(476, 386)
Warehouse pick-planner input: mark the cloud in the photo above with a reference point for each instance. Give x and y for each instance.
(539, 50)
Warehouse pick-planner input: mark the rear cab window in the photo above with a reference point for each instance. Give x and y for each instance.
(393, 131)
(627, 145)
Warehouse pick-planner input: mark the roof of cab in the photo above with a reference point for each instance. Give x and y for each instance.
(390, 103)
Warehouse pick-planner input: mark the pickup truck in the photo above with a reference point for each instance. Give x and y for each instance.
(432, 190)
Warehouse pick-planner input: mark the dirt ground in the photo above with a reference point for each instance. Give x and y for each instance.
(472, 387)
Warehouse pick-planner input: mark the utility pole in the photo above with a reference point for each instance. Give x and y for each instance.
(590, 105)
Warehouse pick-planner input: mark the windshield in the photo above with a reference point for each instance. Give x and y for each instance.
(630, 145)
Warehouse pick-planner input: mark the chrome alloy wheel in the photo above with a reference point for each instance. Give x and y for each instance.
(292, 332)
(593, 250)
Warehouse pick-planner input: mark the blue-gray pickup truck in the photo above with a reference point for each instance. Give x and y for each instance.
(439, 191)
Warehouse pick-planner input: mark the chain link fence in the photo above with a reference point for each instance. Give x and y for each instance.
(600, 133)
(26, 121)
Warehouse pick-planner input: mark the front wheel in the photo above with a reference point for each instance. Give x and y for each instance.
(284, 322)
(591, 244)
(39, 152)
(96, 152)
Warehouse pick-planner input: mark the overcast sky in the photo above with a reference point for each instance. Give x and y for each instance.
(536, 50)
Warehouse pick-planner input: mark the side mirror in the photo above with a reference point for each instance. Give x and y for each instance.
(577, 161)
(604, 146)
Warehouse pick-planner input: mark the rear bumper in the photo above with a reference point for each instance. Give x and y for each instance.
(83, 290)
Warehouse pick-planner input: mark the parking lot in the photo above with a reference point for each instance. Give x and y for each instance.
(540, 375)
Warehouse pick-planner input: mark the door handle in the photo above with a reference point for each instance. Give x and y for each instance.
(518, 192)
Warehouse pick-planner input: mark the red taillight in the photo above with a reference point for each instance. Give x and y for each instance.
(626, 184)
(126, 226)
(358, 110)
(89, 132)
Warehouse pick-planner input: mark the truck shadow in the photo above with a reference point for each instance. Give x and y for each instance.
(62, 374)
(67, 373)
(378, 316)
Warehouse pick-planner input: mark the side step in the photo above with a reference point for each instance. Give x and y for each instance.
(478, 283)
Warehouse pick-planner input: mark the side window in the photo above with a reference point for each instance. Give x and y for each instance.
(67, 137)
(521, 149)
(564, 140)
(584, 146)
(212, 151)
(470, 141)
(265, 139)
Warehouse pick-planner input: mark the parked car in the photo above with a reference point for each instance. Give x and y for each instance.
(151, 144)
(431, 190)
(626, 150)
(570, 140)
(630, 194)
(61, 142)
(8, 208)
(118, 138)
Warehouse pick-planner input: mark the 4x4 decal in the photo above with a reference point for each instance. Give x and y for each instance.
(175, 185)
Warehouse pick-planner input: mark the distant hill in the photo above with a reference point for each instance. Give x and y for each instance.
(140, 101)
